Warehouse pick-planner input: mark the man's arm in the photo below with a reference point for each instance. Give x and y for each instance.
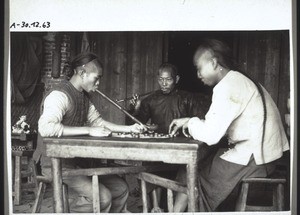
(95, 119)
(55, 106)
(225, 107)
(140, 109)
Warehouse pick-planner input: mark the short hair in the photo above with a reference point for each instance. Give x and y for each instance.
(218, 49)
(169, 67)
(80, 60)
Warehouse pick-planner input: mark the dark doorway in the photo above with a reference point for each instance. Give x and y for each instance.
(182, 46)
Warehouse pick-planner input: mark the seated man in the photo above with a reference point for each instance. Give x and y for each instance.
(168, 103)
(67, 111)
(242, 110)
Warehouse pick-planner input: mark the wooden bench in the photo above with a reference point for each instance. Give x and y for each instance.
(278, 194)
(170, 185)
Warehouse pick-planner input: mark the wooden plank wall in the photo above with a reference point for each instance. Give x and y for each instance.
(265, 57)
(130, 60)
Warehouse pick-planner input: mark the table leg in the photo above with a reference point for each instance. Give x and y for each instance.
(192, 186)
(17, 183)
(57, 185)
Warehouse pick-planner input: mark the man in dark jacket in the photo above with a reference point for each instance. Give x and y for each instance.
(166, 104)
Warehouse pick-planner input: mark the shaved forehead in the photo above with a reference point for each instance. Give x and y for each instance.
(93, 66)
(204, 54)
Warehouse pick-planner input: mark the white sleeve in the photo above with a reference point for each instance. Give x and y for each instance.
(54, 108)
(94, 117)
(226, 106)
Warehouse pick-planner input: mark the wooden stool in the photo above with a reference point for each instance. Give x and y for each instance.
(278, 195)
(19, 174)
(96, 172)
(170, 185)
(22, 147)
(41, 185)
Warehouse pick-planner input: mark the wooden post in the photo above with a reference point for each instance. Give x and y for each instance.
(57, 186)
(96, 194)
(36, 208)
(170, 201)
(66, 199)
(280, 197)
(154, 199)
(17, 184)
(34, 174)
(275, 195)
(144, 196)
(191, 185)
(242, 199)
(56, 57)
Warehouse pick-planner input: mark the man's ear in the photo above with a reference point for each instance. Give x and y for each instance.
(214, 63)
(81, 72)
(177, 79)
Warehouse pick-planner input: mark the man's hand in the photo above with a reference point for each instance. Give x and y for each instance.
(137, 128)
(185, 130)
(99, 131)
(136, 102)
(176, 124)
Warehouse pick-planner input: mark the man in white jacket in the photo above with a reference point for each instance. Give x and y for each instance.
(256, 136)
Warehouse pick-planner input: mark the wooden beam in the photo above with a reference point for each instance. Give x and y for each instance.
(117, 170)
(163, 182)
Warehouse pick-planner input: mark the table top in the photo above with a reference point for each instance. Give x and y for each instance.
(23, 136)
(169, 150)
(176, 142)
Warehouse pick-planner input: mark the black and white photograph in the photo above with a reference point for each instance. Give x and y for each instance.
(118, 119)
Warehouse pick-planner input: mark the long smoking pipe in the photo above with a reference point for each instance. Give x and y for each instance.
(126, 99)
(149, 127)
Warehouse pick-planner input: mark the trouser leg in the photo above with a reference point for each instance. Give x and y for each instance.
(119, 192)
(80, 193)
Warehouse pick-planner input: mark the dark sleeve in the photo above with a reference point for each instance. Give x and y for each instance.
(198, 104)
(142, 115)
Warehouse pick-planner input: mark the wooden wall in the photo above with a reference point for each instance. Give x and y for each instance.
(265, 57)
(130, 60)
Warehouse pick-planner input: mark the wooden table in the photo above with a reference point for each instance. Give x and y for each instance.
(170, 150)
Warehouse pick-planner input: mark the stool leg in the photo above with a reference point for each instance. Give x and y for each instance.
(242, 199)
(156, 194)
(170, 201)
(154, 199)
(96, 194)
(39, 197)
(32, 177)
(66, 199)
(144, 196)
(280, 197)
(34, 174)
(17, 184)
